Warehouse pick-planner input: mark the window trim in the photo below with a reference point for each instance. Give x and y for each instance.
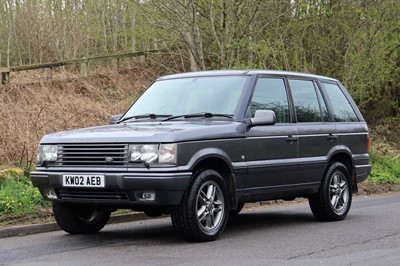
(313, 81)
(288, 95)
(322, 102)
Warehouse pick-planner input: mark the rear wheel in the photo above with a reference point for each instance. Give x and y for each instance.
(80, 219)
(333, 200)
(203, 213)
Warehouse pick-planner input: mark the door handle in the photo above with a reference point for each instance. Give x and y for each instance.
(332, 137)
(291, 139)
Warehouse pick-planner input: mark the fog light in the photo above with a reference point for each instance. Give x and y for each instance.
(49, 193)
(146, 195)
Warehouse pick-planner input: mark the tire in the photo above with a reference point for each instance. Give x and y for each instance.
(203, 213)
(333, 200)
(236, 211)
(80, 219)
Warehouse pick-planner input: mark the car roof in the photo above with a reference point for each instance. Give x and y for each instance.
(244, 72)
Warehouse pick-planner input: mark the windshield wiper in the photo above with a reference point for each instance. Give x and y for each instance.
(202, 114)
(151, 116)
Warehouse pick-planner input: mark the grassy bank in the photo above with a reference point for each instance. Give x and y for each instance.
(19, 200)
(386, 170)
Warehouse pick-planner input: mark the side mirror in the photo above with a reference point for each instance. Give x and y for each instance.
(114, 119)
(262, 118)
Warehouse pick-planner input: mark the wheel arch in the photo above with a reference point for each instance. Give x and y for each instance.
(219, 161)
(343, 155)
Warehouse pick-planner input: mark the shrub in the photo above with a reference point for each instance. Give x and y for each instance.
(18, 196)
(12, 173)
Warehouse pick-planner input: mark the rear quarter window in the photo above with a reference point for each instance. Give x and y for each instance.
(342, 109)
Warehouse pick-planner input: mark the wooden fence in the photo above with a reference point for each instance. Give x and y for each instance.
(84, 64)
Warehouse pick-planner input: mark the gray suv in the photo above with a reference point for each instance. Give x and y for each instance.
(200, 145)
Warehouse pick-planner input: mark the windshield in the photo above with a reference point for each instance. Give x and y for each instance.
(217, 95)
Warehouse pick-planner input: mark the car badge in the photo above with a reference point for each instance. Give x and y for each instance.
(109, 160)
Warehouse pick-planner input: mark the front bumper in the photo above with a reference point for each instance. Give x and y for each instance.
(121, 189)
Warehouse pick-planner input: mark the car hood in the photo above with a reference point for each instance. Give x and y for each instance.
(146, 132)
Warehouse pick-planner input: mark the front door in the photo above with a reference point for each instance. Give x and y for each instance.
(271, 150)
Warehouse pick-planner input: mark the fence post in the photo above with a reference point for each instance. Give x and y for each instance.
(48, 74)
(115, 63)
(85, 68)
(5, 75)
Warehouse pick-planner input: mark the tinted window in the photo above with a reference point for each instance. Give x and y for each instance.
(218, 95)
(270, 94)
(307, 102)
(341, 107)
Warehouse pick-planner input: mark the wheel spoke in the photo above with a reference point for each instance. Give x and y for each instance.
(343, 185)
(217, 206)
(210, 220)
(201, 213)
(336, 181)
(202, 198)
(211, 192)
(334, 201)
(341, 202)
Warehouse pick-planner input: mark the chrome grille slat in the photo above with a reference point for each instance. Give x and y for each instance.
(92, 155)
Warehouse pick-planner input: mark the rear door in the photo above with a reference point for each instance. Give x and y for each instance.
(316, 132)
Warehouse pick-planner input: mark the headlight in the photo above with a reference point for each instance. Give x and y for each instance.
(152, 153)
(167, 153)
(46, 153)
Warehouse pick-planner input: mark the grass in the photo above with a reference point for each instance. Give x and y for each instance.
(386, 170)
(18, 196)
(22, 203)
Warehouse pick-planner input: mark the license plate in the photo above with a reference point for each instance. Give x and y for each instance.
(83, 181)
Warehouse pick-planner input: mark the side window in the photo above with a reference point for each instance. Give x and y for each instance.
(270, 94)
(341, 107)
(307, 102)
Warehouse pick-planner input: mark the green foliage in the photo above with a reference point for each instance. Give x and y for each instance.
(18, 196)
(357, 42)
(385, 170)
(11, 173)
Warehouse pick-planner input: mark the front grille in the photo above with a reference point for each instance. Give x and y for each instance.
(87, 194)
(92, 154)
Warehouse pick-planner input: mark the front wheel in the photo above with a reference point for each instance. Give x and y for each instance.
(80, 219)
(203, 213)
(333, 200)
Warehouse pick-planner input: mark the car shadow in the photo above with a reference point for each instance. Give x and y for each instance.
(160, 231)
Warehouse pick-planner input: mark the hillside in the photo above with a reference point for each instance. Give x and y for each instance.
(31, 107)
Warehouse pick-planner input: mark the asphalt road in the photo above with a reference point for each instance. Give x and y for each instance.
(277, 235)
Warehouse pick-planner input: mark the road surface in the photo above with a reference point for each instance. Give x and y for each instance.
(270, 235)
